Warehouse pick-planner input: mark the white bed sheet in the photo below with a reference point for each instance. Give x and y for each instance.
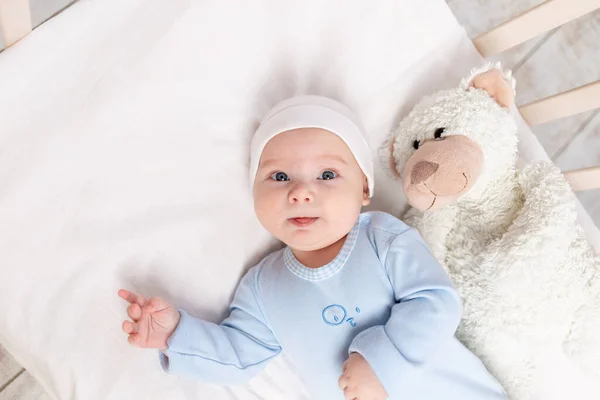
(124, 128)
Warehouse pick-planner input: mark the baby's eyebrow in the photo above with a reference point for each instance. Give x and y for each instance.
(334, 158)
(266, 163)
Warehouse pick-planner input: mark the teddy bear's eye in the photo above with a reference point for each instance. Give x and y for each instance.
(438, 133)
(416, 144)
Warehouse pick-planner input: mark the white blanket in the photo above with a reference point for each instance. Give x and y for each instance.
(124, 130)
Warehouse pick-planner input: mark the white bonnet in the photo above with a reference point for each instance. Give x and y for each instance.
(314, 112)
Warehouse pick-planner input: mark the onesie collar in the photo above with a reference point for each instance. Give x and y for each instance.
(328, 270)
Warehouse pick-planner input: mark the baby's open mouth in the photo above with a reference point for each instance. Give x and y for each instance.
(302, 221)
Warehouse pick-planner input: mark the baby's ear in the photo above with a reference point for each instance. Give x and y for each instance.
(366, 199)
(499, 84)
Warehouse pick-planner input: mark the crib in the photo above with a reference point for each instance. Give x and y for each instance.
(538, 20)
(95, 196)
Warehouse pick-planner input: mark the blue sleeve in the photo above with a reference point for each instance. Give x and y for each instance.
(229, 353)
(424, 318)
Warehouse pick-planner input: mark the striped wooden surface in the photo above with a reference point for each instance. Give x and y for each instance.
(569, 58)
(584, 151)
(478, 16)
(40, 11)
(9, 370)
(24, 387)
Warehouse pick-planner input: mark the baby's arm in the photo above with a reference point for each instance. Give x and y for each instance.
(226, 354)
(424, 318)
(229, 353)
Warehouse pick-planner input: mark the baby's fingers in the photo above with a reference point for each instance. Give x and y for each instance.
(132, 298)
(134, 339)
(351, 394)
(134, 312)
(130, 327)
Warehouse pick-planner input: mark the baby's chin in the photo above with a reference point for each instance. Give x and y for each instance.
(305, 244)
(310, 241)
(304, 240)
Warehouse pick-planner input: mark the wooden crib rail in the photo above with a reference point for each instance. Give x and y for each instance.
(574, 101)
(584, 179)
(546, 16)
(15, 20)
(540, 19)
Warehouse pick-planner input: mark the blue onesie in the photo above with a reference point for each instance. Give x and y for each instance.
(383, 296)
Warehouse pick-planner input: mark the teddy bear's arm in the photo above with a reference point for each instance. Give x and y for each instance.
(545, 225)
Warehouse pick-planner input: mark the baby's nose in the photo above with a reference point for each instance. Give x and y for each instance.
(422, 171)
(301, 194)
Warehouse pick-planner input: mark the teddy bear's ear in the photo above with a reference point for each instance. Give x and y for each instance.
(386, 156)
(499, 84)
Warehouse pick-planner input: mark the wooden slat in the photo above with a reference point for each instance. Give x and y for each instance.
(9, 368)
(42, 10)
(540, 19)
(568, 59)
(477, 17)
(584, 179)
(24, 387)
(15, 20)
(571, 102)
(584, 151)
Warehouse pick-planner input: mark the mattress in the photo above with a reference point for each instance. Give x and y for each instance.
(124, 133)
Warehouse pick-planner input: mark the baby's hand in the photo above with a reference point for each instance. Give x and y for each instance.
(152, 320)
(358, 380)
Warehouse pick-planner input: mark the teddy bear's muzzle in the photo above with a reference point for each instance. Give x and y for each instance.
(441, 171)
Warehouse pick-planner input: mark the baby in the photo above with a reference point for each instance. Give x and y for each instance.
(377, 312)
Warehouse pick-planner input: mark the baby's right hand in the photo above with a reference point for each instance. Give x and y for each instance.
(152, 320)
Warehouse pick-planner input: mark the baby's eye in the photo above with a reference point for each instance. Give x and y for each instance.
(327, 175)
(280, 177)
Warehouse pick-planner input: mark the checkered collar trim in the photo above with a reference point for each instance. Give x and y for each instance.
(326, 271)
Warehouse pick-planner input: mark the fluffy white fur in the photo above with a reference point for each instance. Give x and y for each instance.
(529, 280)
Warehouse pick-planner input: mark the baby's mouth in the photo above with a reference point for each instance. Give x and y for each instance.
(302, 221)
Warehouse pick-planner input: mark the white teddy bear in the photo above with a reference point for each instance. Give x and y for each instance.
(508, 237)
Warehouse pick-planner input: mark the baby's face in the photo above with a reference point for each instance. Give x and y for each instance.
(309, 189)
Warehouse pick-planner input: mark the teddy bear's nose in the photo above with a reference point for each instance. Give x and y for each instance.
(422, 170)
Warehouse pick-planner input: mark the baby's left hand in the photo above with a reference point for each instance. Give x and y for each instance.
(358, 380)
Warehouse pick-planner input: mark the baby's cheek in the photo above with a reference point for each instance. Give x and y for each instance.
(345, 205)
(268, 205)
